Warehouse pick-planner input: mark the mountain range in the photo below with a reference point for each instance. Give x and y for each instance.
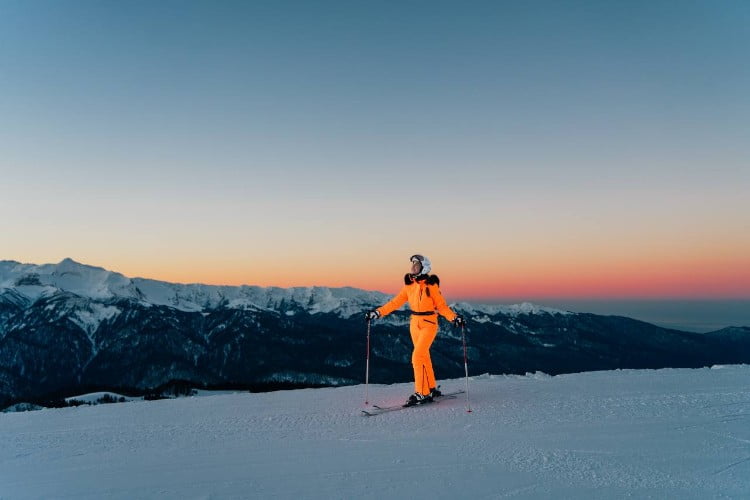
(68, 328)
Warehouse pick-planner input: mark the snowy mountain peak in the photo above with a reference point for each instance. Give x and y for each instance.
(509, 310)
(70, 266)
(67, 261)
(36, 281)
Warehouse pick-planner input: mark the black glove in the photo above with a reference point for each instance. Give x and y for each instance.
(459, 321)
(371, 315)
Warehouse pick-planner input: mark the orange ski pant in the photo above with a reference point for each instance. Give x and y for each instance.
(423, 331)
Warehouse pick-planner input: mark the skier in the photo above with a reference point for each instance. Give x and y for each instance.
(422, 290)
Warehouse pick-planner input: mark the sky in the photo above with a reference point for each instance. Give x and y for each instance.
(532, 149)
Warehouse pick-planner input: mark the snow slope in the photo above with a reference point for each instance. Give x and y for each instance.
(674, 433)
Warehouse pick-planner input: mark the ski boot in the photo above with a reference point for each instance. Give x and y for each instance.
(435, 392)
(418, 399)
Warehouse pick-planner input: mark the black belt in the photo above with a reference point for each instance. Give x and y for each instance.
(425, 313)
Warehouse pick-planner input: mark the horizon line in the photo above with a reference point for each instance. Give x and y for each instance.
(496, 299)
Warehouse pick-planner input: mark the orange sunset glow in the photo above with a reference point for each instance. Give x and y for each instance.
(466, 279)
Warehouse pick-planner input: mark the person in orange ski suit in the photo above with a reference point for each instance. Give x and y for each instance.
(422, 291)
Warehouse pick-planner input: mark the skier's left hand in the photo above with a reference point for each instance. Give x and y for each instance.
(371, 315)
(459, 321)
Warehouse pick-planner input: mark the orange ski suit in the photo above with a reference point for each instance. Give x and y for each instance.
(424, 297)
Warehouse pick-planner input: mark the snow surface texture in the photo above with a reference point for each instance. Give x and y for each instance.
(675, 433)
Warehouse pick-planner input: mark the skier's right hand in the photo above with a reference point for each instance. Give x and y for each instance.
(371, 315)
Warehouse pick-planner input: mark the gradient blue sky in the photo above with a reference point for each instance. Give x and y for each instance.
(531, 148)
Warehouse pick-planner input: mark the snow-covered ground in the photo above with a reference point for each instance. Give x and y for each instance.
(674, 433)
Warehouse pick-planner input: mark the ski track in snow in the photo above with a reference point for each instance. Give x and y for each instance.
(673, 433)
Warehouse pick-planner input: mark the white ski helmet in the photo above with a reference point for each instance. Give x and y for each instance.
(424, 261)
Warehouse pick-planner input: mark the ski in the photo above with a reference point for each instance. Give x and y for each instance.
(378, 410)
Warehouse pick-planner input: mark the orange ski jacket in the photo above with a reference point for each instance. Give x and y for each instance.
(424, 297)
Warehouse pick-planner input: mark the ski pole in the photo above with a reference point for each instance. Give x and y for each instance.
(367, 366)
(466, 368)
